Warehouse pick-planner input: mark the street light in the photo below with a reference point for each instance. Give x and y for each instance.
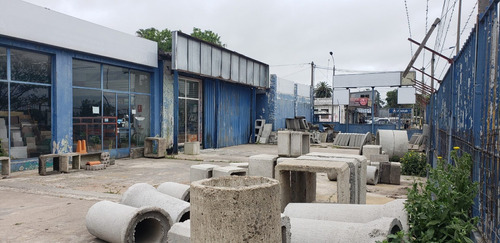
(333, 76)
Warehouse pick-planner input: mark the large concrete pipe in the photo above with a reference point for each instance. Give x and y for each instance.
(311, 230)
(143, 194)
(372, 175)
(115, 222)
(393, 142)
(353, 213)
(235, 209)
(174, 189)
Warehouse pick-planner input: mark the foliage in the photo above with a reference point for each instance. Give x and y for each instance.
(164, 37)
(208, 36)
(399, 237)
(394, 158)
(323, 90)
(439, 211)
(2, 151)
(392, 98)
(414, 163)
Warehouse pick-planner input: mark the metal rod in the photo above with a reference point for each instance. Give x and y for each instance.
(415, 56)
(433, 51)
(427, 74)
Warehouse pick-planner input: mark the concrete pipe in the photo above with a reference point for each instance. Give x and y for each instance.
(235, 209)
(142, 194)
(174, 189)
(352, 213)
(311, 230)
(393, 142)
(371, 175)
(115, 222)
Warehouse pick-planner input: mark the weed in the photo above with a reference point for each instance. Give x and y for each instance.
(414, 163)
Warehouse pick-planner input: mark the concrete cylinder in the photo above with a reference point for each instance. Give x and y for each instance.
(235, 209)
(352, 213)
(311, 230)
(174, 189)
(371, 175)
(393, 142)
(143, 194)
(115, 222)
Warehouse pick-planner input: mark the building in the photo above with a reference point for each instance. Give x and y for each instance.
(323, 111)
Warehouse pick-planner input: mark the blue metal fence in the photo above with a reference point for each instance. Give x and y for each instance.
(464, 112)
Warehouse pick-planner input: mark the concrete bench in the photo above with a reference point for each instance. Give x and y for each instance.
(60, 162)
(5, 161)
(298, 180)
(262, 165)
(84, 158)
(201, 171)
(161, 149)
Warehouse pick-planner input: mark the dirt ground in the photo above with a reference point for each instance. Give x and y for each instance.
(52, 208)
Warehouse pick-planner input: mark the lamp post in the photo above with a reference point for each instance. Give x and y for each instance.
(333, 77)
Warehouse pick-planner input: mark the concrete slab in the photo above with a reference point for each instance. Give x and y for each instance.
(262, 165)
(229, 171)
(201, 171)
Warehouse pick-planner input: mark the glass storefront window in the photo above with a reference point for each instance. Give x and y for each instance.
(87, 118)
(3, 63)
(189, 111)
(140, 122)
(86, 74)
(109, 122)
(4, 115)
(115, 78)
(30, 120)
(139, 82)
(30, 66)
(123, 120)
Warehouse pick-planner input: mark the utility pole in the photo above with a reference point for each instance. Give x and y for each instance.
(312, 90)
(427, 36)
(457, 46)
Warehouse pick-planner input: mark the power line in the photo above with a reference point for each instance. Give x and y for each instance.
(294, 64)
(409, 27)
(426, 24)
(468, 18)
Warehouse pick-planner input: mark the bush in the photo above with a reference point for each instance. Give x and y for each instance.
(2, 151)
(439, 211)
(414, 163)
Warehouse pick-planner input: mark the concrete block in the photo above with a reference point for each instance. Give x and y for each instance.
(201, 171)
(379, 158)
(192, 148)
(180, 232)
(385, 172)
(42, 163)
(5, 163)
(114, 222)
(369, 150)
(286, 227)
(229, 171)
(395, 177)
(136, 152)
(19, 152)
(240, 164)
(298, 180)
(372, 175)
(161, 147)
(284, 143)
(174, 189)
(299, 143)
(262, 165)
(266, 131)
(95, 167)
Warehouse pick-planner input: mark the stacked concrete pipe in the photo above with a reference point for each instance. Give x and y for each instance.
(235, 209)
(143, 194)
(372, 175)
(352, 213)
(312, 230)
(115, 222)
(393, 142)
(174, 189)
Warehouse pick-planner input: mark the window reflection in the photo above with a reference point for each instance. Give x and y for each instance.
(86, 74)
(3, 63)
(115, 78)
(30, 66)
(139, 82)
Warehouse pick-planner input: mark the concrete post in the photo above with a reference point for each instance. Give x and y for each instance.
(142, 194)
(235, 209)
(115, 222)
(174, 189)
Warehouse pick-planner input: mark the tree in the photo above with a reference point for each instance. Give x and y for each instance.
(392, 99)
(323, 90)
(208, 36)
(162, 37)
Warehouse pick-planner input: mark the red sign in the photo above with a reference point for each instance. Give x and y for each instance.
(363, 101)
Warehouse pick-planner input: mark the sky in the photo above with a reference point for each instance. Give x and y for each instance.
(365, 36)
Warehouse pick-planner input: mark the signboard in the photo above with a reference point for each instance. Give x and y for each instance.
(400, 110)
(341, 97)
(406, 95)
(360, 102)
(364, 110)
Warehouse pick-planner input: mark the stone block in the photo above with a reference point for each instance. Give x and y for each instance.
(395, 177)
(136, 152)
(201, 171)
(5, 163)
(379, 158)
(284, 143)
(229, 171)
(180, 232)
(369, 150)
(262, 165)
(192, 148)
(149, 147)
(385, 172)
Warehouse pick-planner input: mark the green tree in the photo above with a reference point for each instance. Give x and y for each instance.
(323, 90)
(162, 37)
(208, 36)
(392, 99)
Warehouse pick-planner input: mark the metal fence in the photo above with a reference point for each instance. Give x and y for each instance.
(464, 112)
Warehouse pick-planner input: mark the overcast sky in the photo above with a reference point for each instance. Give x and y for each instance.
(369, 35)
